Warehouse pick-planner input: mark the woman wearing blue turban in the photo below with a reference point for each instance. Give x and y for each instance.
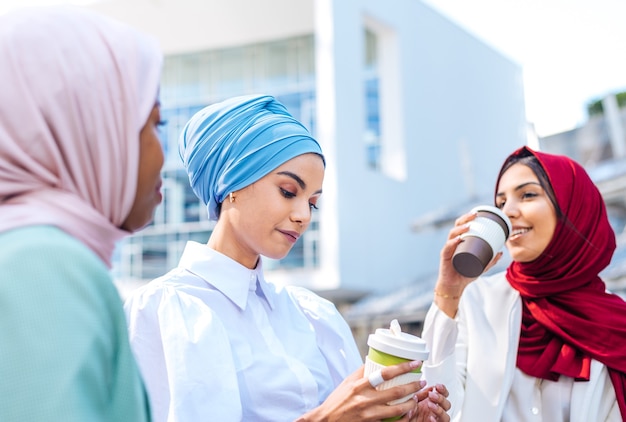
(216, 341)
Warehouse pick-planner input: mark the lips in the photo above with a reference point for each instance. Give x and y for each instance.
(518, 231)
(290, 235)
(158, 193)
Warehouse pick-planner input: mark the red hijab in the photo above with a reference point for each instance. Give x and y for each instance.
(568, 318)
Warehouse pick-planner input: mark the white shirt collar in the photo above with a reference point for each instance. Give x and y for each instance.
(225, 274)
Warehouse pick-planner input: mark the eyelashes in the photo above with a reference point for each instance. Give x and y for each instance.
(524, 196)
(290, 195)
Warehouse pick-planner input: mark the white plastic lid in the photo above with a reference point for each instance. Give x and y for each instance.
(496, 211)
(403, 345)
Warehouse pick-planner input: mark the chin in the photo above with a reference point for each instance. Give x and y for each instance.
(276, 255)
(135, 225)
(523, 259)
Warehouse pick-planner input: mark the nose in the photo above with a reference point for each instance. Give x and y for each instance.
(510, 209)
(301, 213)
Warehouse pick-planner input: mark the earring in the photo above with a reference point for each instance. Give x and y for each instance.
(231, 198)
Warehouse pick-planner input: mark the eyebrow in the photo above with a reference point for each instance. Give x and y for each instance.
(523, 185)
(297, 178)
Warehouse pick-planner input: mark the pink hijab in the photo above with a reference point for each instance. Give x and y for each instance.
(76, 90)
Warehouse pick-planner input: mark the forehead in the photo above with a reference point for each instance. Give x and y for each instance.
(307, 167)
(516, 175)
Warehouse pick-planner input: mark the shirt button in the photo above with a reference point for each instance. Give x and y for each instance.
(535, 410)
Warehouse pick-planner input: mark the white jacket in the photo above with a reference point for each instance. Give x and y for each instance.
(474, 355)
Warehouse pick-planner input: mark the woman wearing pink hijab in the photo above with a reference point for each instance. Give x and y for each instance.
(80, 163)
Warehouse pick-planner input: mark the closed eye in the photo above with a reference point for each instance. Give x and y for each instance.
(286, 193)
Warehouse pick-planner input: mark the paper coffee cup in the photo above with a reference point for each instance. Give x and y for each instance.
(486, 236)
(390, 347)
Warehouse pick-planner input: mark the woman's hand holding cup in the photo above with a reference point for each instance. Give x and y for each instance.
(474, 246)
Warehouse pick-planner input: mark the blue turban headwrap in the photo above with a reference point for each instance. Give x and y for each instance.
(230, 145)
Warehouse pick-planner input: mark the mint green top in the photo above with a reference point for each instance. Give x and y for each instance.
(64, 351)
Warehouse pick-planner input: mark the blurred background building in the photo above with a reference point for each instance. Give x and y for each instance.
(415, 116)
(600, 146)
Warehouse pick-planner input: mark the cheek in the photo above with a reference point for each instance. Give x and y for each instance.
(253, 222)
(151, 163)
(545, 224)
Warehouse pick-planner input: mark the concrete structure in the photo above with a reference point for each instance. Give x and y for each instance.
(600, 146)
(414, 114)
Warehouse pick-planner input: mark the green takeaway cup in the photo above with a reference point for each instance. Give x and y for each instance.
(390, 346)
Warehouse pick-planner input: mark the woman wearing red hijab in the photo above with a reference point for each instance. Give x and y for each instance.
(542, 341)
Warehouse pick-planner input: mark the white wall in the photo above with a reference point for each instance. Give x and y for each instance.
(191, 25)
(455, 91)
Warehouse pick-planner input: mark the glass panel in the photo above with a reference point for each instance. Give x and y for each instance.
(372, 102)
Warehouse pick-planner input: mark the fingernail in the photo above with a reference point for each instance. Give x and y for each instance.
(415, 398)
(415, 363)
(422, 383)
(411, 412)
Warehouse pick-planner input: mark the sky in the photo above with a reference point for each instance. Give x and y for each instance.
(571, 52)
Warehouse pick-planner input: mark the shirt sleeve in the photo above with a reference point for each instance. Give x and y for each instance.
(182, 349)
(62, 336)
(333, 334)
(447, 342)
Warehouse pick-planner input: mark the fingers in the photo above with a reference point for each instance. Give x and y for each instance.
(433, 404)
(447, 252)
(400, 400)
(439, 395)
(461, 226)
(437, 413)
(442, 389)
(423, 394)
(408, 409)
(379, 376)
(393, 371)
(376, 378)
(494, 261)
(457, 231)
(464, 219)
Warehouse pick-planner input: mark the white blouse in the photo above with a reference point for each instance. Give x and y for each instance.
(530, 398)
(216, 342)
(475, 355)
